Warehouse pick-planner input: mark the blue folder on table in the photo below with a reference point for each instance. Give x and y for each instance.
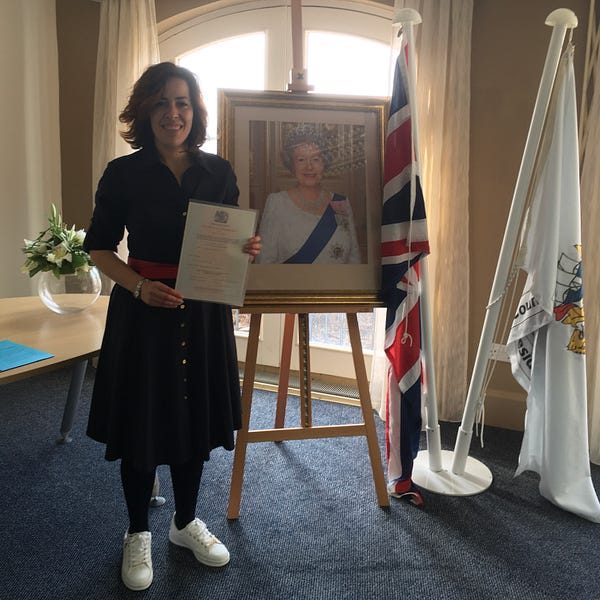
(13, 355)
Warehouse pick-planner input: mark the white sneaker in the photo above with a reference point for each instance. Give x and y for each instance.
(136, 570)
(206, 547)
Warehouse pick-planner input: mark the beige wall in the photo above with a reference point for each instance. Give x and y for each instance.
(169, 8)
(508, 55)
(77, 29)
(510, 42)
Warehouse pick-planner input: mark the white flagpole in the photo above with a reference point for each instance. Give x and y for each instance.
(560, 20)
(431, 467)
(407, 18)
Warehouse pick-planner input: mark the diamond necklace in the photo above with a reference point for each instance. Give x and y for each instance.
(313, 206)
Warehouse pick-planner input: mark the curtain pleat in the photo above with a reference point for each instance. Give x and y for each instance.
(590, 209)
(127, 44)
(30, 168)
(443, 49)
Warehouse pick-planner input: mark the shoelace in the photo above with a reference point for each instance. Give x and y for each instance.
(138, 551)
(199, 531)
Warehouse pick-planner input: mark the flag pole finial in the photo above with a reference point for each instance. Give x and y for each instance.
(407, 15)
(562, 17)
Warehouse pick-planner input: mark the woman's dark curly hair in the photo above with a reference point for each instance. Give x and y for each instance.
(146, 93)
(304, 134)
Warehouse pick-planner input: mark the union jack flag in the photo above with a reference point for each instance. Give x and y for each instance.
(404, 242)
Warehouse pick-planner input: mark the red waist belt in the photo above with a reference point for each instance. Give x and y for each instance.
(153, 270)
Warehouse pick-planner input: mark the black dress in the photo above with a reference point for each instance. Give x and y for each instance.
(167, 385)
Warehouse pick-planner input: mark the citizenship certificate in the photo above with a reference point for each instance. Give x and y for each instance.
(212, 265)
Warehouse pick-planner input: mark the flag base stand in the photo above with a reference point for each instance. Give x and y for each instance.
(476, 479)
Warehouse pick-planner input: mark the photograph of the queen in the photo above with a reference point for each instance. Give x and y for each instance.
(305, 219)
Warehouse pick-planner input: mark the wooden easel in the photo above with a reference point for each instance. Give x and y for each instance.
(299, 84)
(307, 430)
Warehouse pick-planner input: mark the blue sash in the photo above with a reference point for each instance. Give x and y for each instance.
(319, 237)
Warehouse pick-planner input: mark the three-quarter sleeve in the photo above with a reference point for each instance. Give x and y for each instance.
(107, 226)
(232, 193)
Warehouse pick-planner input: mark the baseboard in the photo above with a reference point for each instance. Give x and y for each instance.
(323, 387)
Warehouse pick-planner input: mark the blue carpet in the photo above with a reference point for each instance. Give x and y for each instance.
(309, 526)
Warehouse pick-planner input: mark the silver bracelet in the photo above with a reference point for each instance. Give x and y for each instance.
(138, 288)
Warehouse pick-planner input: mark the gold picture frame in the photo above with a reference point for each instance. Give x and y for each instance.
(252, 125)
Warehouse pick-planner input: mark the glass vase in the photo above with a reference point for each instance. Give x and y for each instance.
(69, 293)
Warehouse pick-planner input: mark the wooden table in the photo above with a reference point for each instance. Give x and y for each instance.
(72, 339)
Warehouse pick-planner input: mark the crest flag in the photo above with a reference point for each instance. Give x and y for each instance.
(546, 343)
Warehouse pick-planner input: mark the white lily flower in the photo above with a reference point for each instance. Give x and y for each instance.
(80, 236)
(61, 252)
(54, 247)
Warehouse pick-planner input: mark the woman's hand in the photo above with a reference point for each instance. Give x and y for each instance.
(252, 247)
(156, 293)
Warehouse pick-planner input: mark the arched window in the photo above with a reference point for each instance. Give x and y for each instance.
(249, 46)
(236, 63)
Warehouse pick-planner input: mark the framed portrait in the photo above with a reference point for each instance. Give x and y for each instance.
(312, 166)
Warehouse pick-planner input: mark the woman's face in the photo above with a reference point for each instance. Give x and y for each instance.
(308, 165)
(172, 116)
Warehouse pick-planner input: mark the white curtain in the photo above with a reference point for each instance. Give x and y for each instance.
(590, 208)
(30, 143)
(443, 50)
(127, 44)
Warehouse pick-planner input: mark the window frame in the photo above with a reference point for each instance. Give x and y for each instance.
(225, 19)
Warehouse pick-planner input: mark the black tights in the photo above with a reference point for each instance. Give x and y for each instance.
(137, 488)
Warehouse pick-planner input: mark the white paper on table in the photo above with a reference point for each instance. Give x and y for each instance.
(212, 265)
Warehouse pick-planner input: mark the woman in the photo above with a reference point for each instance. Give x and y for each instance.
(167, 384)
(307, 224)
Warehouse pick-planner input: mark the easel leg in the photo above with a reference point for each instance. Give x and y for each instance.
(239, 458)
(305, 391)
(367, 410)
(284, 370)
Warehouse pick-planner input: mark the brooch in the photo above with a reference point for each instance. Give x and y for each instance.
(336, 252)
